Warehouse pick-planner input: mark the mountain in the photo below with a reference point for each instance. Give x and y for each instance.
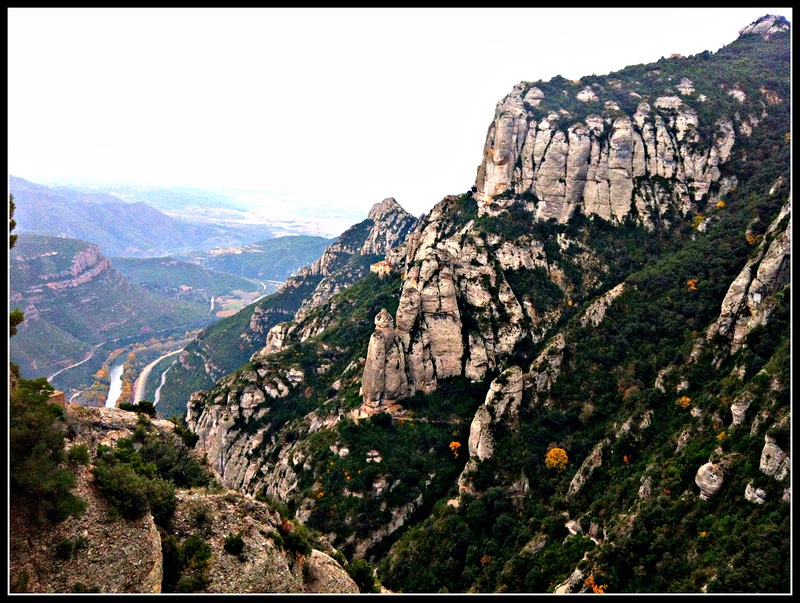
(118, 228)
(574, 377)
(273, 259)
(172, 278)
(74, 298)
(577, 378)
(227, 344)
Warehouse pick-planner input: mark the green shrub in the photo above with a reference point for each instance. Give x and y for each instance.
(234, 544)
(79, 455)
(185, 565)
(361, 572)
(144, 407)
(67, 548)
(39, 484)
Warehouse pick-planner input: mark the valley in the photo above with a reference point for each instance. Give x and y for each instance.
(573, 376)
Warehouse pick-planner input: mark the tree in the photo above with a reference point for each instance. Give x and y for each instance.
(17, 316)
(12, 224)
(556, 459)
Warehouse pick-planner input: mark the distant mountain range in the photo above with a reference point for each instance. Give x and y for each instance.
(119, 228)
(273, 259)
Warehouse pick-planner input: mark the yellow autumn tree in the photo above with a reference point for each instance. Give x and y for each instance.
(556, 459)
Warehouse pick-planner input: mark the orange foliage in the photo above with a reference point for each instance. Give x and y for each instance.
(593, 584)
(556, 459)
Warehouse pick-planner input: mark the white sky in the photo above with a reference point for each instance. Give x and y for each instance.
(332, 105)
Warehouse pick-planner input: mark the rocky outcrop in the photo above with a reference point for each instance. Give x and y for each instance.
(391, 225)
(755, 495)
(546, 368)
(709, 479)
(596, 312)
(501, 405)
(385, 228)
(384, 379)
(609, 166)
(766, 26)
(111, 555)
(265, 565)
(774, 461)
(749, 301)
(594, 460)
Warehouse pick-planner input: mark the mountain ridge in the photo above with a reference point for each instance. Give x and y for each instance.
(494, 285)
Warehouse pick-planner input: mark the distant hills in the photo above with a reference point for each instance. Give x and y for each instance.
(119, 228)
(272, 259)
(74, 298)
(168, 277)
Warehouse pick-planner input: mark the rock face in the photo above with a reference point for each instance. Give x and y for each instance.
(774, 461)
(766, 26)
(384, 379)
(386, 227)
(594, 460)
(749, 301)
(755, 495)
(605, 166)
(264, 566)
(597, 311)
(117, 555)
(501, 405)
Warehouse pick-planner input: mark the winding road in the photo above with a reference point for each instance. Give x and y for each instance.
(141, 381)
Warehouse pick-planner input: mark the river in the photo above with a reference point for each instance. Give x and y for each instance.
(115, 389)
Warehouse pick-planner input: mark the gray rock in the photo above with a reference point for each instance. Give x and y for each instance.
(755, 495)
(709, 478)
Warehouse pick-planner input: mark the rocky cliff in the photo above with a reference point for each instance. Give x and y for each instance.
(103, 552)
(222, 348)
(615, 287)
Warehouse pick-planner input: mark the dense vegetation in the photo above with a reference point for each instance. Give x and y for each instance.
(41, 480)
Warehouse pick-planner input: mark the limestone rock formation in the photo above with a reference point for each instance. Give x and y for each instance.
(385, 228)
(766, 26)
(384, 380)
(594, 460)
(749, 302)
(501, 405)
(709, 479)
(774, 461)
(605, 166)
(597, 311)
(755, 495)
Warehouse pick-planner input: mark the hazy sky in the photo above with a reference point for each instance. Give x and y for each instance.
(337, 105)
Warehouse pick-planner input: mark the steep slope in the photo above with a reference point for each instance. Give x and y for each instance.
(580, 380)
(105, 550)
(229, 343)
(74, 298)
